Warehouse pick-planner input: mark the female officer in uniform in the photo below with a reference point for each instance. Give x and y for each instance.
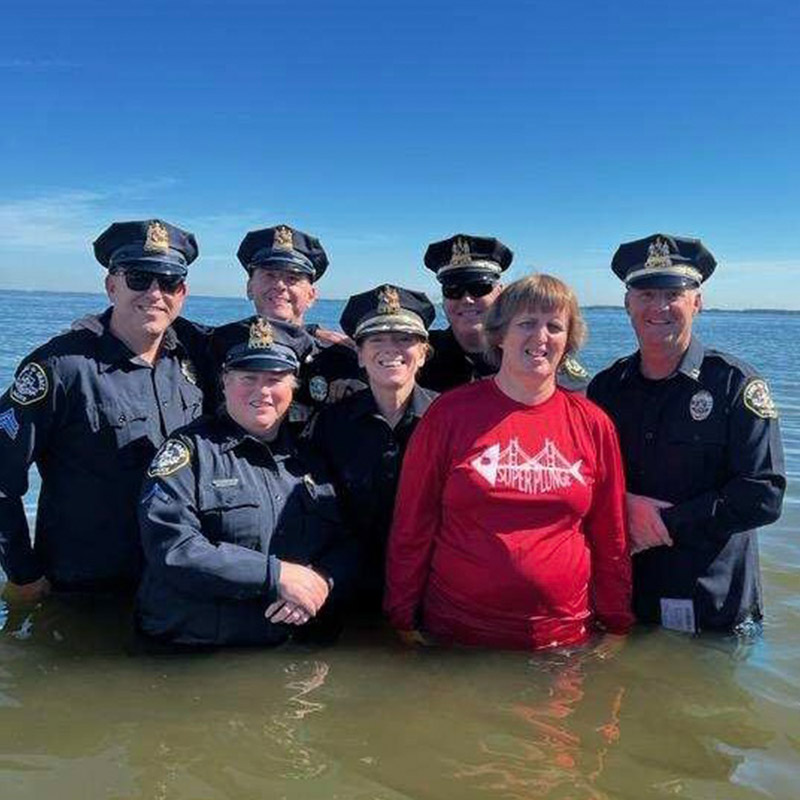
(363, 437)
(240, 528)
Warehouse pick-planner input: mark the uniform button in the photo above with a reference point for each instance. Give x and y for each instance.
(649, 436)
(122, 418)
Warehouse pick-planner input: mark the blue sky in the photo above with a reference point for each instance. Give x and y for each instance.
(563, 128)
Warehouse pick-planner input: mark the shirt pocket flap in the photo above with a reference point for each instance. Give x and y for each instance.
(214, 496)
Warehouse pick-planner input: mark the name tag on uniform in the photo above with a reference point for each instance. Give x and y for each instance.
(222, 483)
(677, 615)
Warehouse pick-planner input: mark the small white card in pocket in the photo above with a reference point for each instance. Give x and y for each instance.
(677, 615)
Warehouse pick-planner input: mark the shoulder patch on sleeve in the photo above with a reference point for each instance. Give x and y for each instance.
(31, 385)
(172, 456)
(757, 399)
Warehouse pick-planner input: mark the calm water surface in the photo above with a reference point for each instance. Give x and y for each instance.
(84, 713)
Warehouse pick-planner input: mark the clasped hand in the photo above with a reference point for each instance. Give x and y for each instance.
(301, 594)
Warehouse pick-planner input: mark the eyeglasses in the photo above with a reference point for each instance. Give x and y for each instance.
(138, 280)
(455, 291)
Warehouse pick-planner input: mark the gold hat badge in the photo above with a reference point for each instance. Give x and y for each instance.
(388, 300)
(658, 255)
(260, 335)
(461, 255)
(157, 240)
(283, 238)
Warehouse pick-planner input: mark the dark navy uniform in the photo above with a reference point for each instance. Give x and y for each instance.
(363, 451)
(473, 265)
(705, 439)
(694, 441)
(91, 416)
(218, 510)
(364, 455)
(223, 507)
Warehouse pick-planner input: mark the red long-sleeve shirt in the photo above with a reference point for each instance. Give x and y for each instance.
(509, 527)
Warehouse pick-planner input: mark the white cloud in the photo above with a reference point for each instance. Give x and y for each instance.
(64, 220)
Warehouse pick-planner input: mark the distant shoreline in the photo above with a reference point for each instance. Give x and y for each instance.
(600, 307)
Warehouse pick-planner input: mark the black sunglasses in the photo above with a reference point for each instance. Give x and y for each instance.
(138, 280)
(455, 291)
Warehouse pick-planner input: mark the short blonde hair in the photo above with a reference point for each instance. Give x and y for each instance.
(537, 291)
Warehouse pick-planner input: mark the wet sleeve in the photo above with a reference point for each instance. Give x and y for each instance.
(606, 533)
(177, 550)
(29, 413)
(417, 519)
(752, 494)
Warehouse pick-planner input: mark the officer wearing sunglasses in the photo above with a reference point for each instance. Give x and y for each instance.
(91, 411)
(469, 268)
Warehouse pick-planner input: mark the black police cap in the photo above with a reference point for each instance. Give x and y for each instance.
(150, 245)
(267, 345)
(387, 309)
(283, 248)
(662, 261)
(464, 258)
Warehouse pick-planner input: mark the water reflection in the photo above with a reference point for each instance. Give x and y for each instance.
(666, 715)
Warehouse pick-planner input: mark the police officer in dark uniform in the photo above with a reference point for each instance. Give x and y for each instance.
(283, 265)
(363, 437)
(469, 269)
(700, 439)
(91, 411)
(240, 527)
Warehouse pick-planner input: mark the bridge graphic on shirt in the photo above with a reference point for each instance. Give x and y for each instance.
(513, 468)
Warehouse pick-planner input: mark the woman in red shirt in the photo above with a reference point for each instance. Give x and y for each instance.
(509, 527)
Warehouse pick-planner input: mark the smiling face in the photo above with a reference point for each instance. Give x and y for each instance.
(534, 345)
(662, 318)
(391, 360)
(149, 312)
(258, 401)
(466, 317)
(280, 294)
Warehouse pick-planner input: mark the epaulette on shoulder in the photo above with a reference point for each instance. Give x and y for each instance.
(745, 368)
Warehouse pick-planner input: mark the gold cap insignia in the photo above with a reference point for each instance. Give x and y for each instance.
(461, 256)
(388, 300)
(283, 238)
(157, 240)
(260, 335)
(658, 255)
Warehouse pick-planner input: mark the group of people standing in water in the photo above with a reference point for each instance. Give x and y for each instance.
(269, 480)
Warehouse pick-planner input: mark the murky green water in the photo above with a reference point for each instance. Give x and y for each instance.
(84, 712)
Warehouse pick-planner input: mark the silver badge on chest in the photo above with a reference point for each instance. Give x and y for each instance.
(318, 388)
(701, 405)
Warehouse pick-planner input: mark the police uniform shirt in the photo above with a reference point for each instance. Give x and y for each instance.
(707, 441)
(364, 455)
(452, 366)
(219, 508)
(91, 415)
